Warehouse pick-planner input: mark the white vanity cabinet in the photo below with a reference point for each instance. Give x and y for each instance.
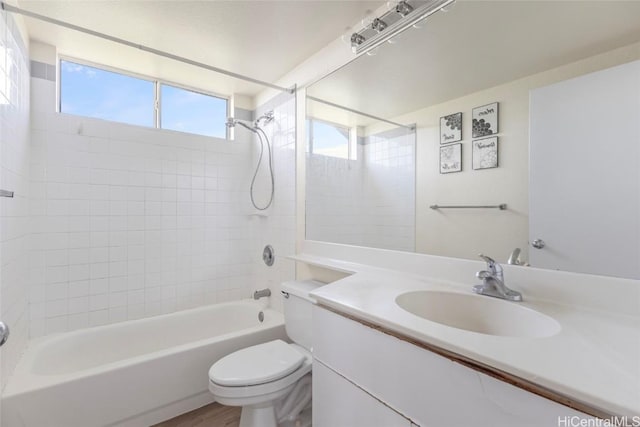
(365, 377)
(339, 403)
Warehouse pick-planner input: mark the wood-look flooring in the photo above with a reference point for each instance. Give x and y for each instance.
(213, 415)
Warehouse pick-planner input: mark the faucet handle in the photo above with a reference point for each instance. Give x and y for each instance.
(493, 267)
(490, 261)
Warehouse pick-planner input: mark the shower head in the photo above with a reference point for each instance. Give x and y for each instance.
(266, 117)
(231, 122)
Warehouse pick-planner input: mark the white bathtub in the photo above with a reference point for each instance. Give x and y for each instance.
(133, 373)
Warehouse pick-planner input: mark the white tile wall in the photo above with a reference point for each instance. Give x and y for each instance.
(132, 222)
(334, 204)
(388, 218)
(368, 201)
(14, 176)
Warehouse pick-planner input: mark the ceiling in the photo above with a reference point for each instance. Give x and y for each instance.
(476, 45)
(261, 39)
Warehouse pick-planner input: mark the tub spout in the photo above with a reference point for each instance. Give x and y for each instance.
(262, 293)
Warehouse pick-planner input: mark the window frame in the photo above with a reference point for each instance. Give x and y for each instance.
(157, 85)
(352, 138)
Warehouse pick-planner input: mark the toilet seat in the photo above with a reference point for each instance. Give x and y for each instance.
(265, 389)
(258, 364)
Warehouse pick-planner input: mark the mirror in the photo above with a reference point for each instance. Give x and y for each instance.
(377, 162)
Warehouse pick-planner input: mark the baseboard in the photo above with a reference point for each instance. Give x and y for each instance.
(167, 412)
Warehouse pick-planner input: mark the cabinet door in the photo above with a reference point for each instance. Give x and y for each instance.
(585, 173)
(339, 403)
(425, 387)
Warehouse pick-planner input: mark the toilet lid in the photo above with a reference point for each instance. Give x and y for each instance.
(258, 364)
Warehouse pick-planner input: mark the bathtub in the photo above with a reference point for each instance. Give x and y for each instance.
(134, 373)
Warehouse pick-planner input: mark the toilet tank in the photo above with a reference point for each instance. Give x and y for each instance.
(297, 310)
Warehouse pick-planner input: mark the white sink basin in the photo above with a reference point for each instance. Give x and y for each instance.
(476, 313)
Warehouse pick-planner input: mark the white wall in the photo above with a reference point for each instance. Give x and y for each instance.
(14, 176)
(131, 222)
(464, 233)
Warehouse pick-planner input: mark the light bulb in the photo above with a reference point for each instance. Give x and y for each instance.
(403, 8)
(378, 25)
(356, 40)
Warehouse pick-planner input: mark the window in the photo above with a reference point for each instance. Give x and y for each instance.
(329, 139)
(94, 92)
(192, 112)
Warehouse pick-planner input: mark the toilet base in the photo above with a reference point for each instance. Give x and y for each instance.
(302, 420)
(291, 407)
(263, 416)
(252, 416)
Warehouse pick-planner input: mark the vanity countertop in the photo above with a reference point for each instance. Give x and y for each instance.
(594, 359)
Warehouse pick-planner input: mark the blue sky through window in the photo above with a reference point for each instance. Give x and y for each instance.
(92, 92)
(329, 139)
(188, 111)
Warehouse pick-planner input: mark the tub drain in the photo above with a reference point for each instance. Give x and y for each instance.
(261, 317)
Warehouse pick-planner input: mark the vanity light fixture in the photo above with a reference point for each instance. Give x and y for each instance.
(405, 14)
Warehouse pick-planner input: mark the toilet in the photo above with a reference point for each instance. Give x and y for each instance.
(272, 381)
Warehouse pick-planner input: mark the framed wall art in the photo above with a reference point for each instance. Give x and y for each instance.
(451, 158)
(451, 128)
(485, 120)
(484, 153)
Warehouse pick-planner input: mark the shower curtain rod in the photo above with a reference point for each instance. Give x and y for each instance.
(322, 101)
(24, 12)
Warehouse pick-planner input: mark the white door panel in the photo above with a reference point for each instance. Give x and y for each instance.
(585, 173)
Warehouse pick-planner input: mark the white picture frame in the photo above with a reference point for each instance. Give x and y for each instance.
(484, 120)
(484, 153)
(450, 158)
(451, 128)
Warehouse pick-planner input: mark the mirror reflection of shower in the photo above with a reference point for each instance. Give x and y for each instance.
(264, 139)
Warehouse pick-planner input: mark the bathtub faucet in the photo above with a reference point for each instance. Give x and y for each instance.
(262, 293)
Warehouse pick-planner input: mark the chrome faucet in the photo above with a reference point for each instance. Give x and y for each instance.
(493, 282)
(262, 293)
